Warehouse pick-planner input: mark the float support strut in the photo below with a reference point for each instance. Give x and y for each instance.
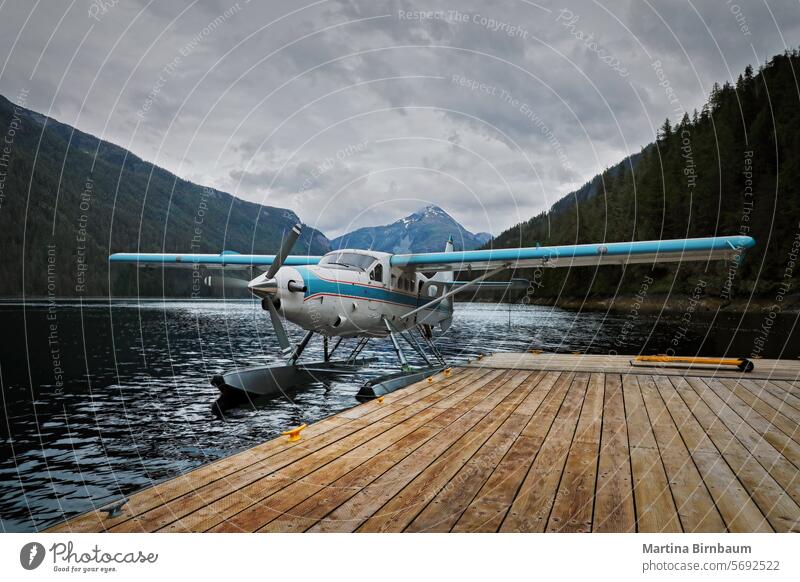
(298, 349)
(403, 361)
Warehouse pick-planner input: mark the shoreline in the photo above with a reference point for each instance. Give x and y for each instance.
(658, 303)
(654, 303)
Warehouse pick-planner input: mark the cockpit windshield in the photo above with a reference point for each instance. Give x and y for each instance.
(347, 261)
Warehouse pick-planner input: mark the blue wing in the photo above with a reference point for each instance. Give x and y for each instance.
(226, 260)
(619, 253)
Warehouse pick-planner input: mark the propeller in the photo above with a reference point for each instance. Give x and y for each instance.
(277, 324)
(286, 248)
(267, 288)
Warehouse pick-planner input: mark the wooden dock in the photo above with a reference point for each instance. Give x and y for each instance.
(514, 443)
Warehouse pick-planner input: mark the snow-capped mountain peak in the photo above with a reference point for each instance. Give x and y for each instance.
(425, 230)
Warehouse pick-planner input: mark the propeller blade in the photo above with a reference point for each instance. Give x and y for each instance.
(277, 324)
(286, 248)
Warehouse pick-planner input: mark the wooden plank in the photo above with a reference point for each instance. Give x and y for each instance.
(532, 402)
(390, 413)
(733, 502)
(285, 491)
(238, 489)
(447, 506)
(519, 384)
(221, 509)
(316, 507)
(441, 387)
(574, 503)
(453, 398)
(781, 398)
(782, 469)
(304, 515)
(531, 508)
(731, 489)
(399, 512)
(352, 513)
(763, 405)
(549, 407)
(435, 391)
(441, 514)
(260, 514)
(655, 507)
(357, 509)
(777, 412)
(694, 503)
(782, 512)
(522, 442)
(764, 368)
(693, 434)
(614, 510)
(790, 386)
(489, 507)
(148, 498)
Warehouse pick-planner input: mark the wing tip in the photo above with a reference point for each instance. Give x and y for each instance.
(747, 242)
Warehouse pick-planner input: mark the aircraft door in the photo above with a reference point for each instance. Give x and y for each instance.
(376, 281)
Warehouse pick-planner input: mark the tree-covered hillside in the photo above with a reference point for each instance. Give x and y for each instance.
(69, 199)
(731, 168)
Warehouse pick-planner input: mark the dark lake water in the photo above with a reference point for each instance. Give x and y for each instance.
(130, 405)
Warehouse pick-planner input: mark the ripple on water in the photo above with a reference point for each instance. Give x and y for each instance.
(139, 413)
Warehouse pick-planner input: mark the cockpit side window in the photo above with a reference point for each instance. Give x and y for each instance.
(377, 273)
(347, 261)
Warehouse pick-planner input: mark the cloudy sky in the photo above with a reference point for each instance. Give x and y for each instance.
(354, 113)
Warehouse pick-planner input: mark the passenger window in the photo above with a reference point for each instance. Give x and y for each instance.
(377, 274)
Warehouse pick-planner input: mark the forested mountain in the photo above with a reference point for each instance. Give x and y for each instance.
(731, 168)
(424, 231)
(68, 199)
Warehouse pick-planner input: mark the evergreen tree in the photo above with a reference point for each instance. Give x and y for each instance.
(665, 132)
(702, 187)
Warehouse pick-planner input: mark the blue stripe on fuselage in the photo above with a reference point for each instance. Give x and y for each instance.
(315, 285)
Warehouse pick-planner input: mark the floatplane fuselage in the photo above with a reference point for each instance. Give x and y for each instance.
(350, 293)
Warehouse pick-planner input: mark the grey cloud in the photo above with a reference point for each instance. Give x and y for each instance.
(220, 117)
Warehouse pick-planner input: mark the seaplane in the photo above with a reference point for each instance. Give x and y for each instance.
(361, 295)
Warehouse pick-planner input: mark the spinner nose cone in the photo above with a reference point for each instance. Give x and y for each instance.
(263, 287)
